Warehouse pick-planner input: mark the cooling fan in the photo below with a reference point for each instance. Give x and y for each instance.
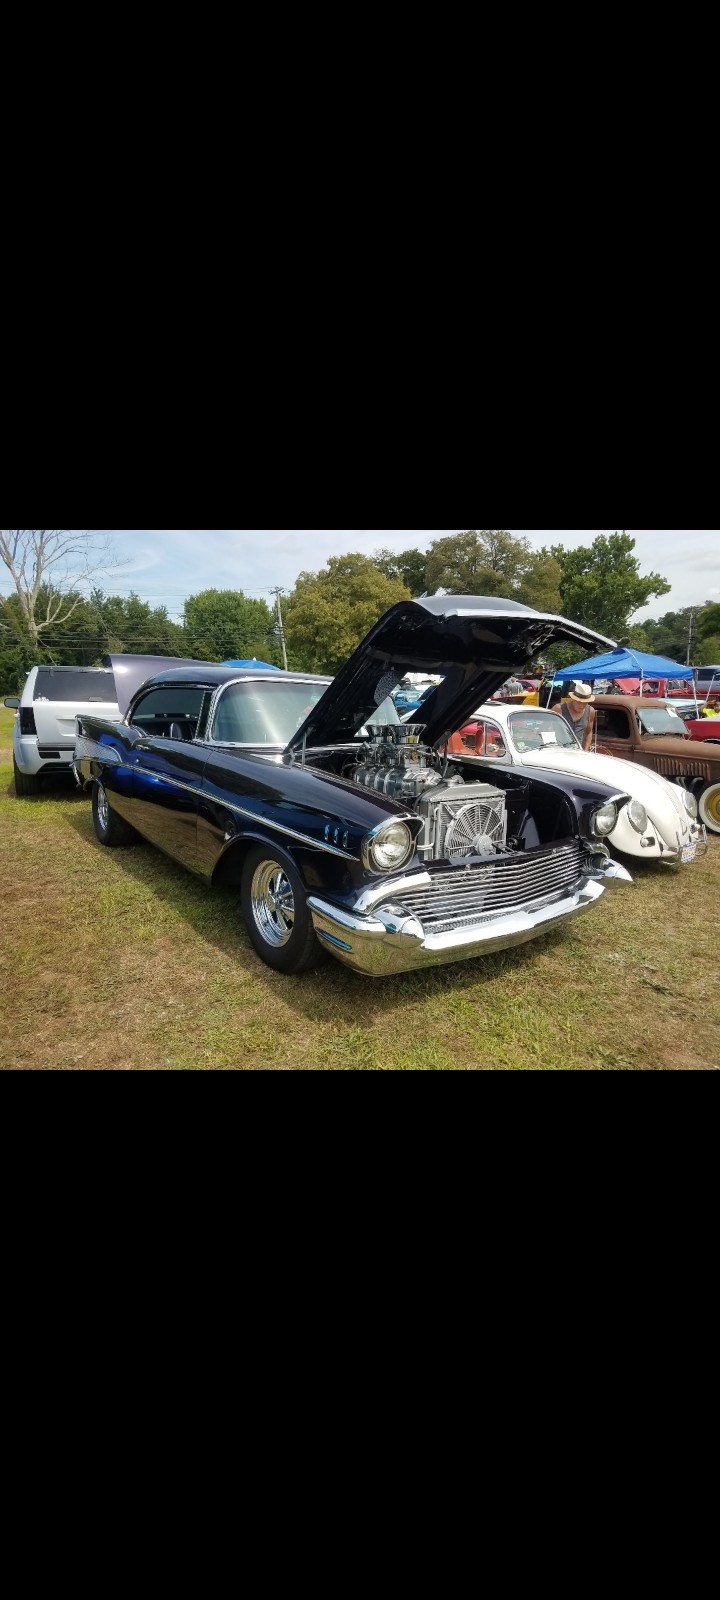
(477, 829)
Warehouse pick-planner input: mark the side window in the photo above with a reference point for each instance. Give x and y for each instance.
(475, 741)
(612, 722)
(494, 742)
(169, 713)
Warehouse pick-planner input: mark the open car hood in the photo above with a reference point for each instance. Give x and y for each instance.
(473, 642)
(131, 672)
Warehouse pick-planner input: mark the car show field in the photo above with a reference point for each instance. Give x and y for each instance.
(121, 960)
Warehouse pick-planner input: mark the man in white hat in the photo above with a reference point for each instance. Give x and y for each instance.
(578, 713)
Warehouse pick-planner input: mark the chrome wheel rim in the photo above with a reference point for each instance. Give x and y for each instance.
(273, 904)
(103, 809)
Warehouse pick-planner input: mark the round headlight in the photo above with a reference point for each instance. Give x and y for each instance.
(388, 848)
(691, 805)
(604, 820)
(637, 815)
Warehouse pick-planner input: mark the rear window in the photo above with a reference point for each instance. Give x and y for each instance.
(75, 685)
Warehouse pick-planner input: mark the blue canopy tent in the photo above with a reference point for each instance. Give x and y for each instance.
(623, 663)
(264, 666)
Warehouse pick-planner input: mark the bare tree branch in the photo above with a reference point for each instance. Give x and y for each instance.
(54, 561)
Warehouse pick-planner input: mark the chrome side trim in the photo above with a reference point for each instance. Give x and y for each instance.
(191, 788)
(302, 838)
(253, 816)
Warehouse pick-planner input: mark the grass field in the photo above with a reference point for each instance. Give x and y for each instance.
(120, 959)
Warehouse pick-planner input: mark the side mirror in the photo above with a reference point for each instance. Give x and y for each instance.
(12, 702)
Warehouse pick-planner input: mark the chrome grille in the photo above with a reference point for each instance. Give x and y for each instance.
(461, 896)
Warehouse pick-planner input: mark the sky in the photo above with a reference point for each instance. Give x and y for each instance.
(164, 566)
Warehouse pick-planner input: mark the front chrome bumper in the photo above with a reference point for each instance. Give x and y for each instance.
(389, 939)
(698, 837)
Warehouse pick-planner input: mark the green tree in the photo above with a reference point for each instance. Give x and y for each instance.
(329, 612)
(708, 651)
(540, 584)
(677, 634)
(601, 584)
(490, 562)
(638, 638)
(15, 664)
(494, 562)
(225, 623)
(408, 568)
(127, 624)
(709, 620)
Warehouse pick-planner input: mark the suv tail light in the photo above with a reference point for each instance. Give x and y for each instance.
(27, 720)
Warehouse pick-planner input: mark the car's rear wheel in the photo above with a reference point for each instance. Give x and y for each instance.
(111, 829)
(276, 913)
(26, 782)
(709, 807)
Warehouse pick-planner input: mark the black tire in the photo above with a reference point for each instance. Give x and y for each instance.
(282, 933)
(25, 782)
(111, 829)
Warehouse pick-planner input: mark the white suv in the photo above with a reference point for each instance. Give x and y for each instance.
(44, 734)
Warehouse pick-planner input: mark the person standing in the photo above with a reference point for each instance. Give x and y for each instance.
(578, 712)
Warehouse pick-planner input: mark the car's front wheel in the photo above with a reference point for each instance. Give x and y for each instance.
(709, 807)
(25, 782)
(111, 829)
(276, 913)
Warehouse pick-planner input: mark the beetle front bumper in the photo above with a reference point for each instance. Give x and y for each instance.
(389, 939)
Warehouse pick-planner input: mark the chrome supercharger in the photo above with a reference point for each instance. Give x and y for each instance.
(460, 819)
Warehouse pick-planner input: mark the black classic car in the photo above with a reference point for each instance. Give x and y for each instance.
(345, 829)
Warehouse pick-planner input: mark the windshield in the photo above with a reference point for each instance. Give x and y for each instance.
(540, 730)
(659, 719)
(264, 713)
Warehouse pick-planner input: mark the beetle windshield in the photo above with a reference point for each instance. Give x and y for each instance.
(659, 719)
(263, 713)
(540, 730)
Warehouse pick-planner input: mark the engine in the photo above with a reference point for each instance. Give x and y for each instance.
(460, 819)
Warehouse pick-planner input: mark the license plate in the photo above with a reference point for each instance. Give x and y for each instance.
(688, 852)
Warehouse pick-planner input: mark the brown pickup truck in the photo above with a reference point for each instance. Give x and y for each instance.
(651, 732)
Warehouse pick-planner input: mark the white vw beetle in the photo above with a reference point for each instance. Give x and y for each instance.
(659, 821)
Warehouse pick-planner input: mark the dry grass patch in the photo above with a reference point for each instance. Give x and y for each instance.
(123, 960)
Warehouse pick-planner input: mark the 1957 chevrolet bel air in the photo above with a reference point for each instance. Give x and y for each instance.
(346, 830)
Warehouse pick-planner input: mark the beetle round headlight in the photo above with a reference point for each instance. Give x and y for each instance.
(691, 805)
(637, 815)
(388, 848)
(604, 819)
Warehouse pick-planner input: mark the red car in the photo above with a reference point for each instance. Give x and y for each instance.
(707, 728)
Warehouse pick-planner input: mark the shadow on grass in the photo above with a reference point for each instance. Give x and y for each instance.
(214, 914)
(56, 794)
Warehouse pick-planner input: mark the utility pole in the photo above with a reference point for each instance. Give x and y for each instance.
(280, 629)
(691, 618)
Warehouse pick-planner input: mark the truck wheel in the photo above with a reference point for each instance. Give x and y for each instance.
(709, 807)
(275, 909)
(111, 829)
(26, 782)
